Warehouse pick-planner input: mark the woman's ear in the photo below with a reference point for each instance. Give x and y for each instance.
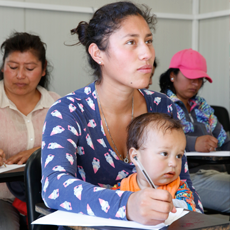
(172, 77)
(95, 53)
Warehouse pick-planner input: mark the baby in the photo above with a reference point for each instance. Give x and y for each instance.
(158, 142)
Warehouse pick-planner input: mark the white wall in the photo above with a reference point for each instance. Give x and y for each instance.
(71, 70)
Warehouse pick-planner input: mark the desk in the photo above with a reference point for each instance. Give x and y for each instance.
(192, 220)
(12, 175)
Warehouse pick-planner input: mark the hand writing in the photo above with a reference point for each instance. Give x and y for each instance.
(206, 143)
(21, 157)
(150, 206)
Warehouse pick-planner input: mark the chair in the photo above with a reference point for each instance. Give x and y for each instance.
(33, 189)
(223, 116)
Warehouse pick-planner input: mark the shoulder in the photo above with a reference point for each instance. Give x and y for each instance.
(153, 94)
(54, 95)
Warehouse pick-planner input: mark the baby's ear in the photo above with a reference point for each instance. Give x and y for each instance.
(133, 153)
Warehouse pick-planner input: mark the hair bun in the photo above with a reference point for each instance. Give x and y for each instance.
(81, 31)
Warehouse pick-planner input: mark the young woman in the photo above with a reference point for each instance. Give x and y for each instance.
(24, 102)
(182, 82)
(84, 142)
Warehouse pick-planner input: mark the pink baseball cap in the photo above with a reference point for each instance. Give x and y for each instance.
(191, 63)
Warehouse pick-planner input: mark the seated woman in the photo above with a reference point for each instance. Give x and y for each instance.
(88, 153)
(181, 83)
(24, 102)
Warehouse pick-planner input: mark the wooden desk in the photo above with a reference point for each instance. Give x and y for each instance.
(192, 220)
(12, 175)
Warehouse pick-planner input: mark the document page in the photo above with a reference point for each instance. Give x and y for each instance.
(10, 167)
(63, 218)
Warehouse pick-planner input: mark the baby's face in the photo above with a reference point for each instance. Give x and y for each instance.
(161, 156)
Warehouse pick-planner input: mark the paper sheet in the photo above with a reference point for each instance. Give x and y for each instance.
(215, 154)
(10, 167)
(63, 218)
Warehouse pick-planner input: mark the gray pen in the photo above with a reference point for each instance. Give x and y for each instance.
(144, 172)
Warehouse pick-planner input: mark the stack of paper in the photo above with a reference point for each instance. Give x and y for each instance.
(62, 218)
(10, 167)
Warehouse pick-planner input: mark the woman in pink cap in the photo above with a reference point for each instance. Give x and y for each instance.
(181, 83)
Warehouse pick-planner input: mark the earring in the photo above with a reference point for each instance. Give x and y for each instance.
(172, 79)
(99, 62)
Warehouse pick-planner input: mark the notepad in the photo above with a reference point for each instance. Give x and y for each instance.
(63, 218)
(210, 154)
(10, 167)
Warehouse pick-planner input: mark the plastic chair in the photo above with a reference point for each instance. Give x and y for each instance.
(33, 189)
(223, 116)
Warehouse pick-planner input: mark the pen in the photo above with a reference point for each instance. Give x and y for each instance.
(144, 173)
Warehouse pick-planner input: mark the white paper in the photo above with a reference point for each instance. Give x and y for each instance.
(215, 154)
(10, 167)
(63, 218)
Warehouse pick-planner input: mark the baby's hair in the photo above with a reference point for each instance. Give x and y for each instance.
(139, 127)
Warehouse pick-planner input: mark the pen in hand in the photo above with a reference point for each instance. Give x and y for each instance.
(144, 172)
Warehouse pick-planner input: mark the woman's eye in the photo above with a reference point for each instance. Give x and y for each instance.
(30, 69)
(13, 67)
(131, 42)
(164, 154)
(150, 41)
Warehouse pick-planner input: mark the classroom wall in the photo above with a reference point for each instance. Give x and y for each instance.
(70, 68)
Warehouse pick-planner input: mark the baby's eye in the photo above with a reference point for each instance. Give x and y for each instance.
(164, 154)
(179, 156)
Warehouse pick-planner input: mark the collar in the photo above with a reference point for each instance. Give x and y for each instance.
(194, 101)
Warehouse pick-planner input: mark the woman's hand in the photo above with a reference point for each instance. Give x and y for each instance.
(149, 206)
(2, 157)
(206, 143)
(21, 157)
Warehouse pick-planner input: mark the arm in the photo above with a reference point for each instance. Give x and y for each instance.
(66, 184)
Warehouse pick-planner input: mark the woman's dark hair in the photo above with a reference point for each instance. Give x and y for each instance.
(165, 82)
(139, 127)
(27, 42)
(104, 22)
(155, 63)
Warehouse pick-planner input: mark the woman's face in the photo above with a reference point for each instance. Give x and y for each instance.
(185, 88)
(151, 78)
(22, 73)
(130, 54)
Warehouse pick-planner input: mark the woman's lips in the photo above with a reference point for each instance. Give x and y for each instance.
(20, 84)
(145, 69)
